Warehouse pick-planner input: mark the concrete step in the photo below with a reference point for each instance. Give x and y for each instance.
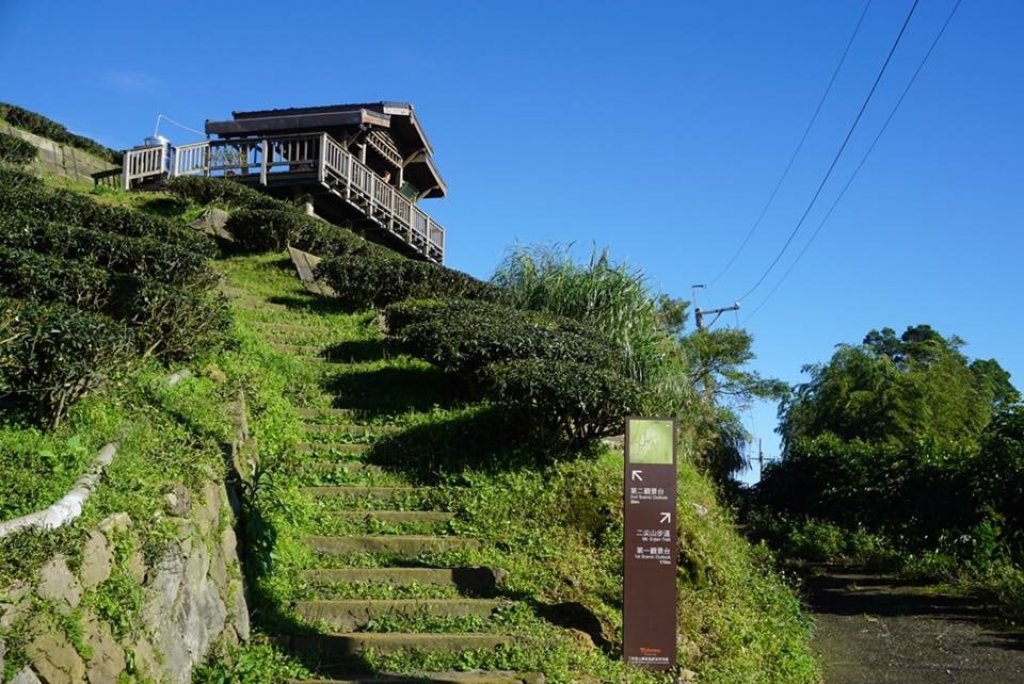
(473, 580)
(397, 516)
(291, 327)
(329, 649)
(467, 677)
(350, 615)
(363, 492)
(344, 465)
(410, 545)
(313, 413)
(310, 447)
(350, 429)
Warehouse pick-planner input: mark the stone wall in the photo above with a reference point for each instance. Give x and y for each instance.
(59, 160)
(68, 626)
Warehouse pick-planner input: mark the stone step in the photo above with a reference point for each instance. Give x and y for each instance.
(330, 649)
(467, 677)
(350, 615)
(402, 544)
(345, 465)
(309, 447)
(314, 412)
(350, 429)
(474, 580)
(363, 492)
(291, 327)
(397, 516)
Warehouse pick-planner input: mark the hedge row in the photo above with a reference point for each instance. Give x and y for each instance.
(577, 401)
(26, 201)
(271, 230)
(553, 371)
(231, 194)
(52, 354)
(40, 125)
(376, 282)
(139, 257)
(464, 336)
(14, 150)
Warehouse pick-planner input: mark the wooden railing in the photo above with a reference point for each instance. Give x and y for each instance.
(315, 157)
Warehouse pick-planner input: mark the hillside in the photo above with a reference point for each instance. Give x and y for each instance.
(402, 515)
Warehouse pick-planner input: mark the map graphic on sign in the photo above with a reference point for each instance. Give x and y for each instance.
(650, 441)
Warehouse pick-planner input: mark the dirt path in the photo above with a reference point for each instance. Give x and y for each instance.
(878, 629)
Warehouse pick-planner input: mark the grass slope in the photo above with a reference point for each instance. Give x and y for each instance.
(555, 527)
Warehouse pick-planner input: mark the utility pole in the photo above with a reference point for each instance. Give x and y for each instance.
(760, 460)
(700, 313)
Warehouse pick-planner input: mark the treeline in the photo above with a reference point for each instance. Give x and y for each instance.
(47, 128)
(902, 450)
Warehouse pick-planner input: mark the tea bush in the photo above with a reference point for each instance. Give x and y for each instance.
(576, 401)
(52, 354)
(271, 230)
(377, 282)
(463, 337)
(231, 194)
(14, 150)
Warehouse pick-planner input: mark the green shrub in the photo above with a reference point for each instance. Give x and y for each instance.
(376, 282)
(231, 194)
(24, 201)
(612, 298)
(54, 354)
(400, 315)
(40, 125)
(577, 401)
(14, 150)
(463, 337)
(139, 257)
(78, 283)
(178, 323)
(270, 230)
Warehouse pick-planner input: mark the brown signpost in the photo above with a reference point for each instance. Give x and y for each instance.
(650, 544)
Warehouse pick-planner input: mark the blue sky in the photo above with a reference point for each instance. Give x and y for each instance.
(655, 129)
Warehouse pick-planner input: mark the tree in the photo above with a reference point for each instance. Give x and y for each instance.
(898, 390)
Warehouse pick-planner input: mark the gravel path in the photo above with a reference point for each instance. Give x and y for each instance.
(880, 629)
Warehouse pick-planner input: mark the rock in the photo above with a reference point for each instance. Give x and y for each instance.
(578, 618)
(687, 676)
(26, 676)
(13, 606)
(581, 639)
(178, 501)
(239, 611)
(147, 664)
(212, 222)
(500, 577)
(136, 565)
(700, 509)
(3, 652)
(57, 584)
(118, 522)
(107, 661)
(53, 657)
(97, 560)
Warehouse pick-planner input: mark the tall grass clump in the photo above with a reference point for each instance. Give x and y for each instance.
(611, 298)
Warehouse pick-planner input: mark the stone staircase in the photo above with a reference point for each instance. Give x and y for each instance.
(380, 583)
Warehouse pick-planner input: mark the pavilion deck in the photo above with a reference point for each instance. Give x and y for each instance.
(304, 162)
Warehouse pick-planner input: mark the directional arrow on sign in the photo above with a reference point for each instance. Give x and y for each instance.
(666, 517)
(638, 475)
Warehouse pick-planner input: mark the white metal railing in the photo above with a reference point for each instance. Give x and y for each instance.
(311, 155)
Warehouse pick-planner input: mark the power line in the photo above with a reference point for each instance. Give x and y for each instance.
(835, 159)
(799, 146)
(864, 159)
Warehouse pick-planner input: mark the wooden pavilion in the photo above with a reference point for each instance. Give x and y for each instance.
(367, 163)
